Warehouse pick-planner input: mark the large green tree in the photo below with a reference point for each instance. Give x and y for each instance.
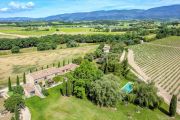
(13, 101)
(106, 91)
(145, 95)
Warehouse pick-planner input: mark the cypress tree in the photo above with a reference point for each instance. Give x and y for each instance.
(173, 106)
(64, 88)
(64, 62)
(17, 81)
(106, 66)
(53, 64)
(9, 84)
(59, 64)
(69, 88)
(30, 71)
(16, 113)
(42, 68)
(47, 66)
(125, 68)
(24, 78)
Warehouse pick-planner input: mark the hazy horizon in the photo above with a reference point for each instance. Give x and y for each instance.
(41, 8)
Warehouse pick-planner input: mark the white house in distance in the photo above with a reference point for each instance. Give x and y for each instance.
(33, 79)
(106, 49)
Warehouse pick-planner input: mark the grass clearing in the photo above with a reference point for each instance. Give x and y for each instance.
(56, 107)
(15, 64)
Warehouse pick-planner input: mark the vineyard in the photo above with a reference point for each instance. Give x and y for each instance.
(173, 41)
(160, 61)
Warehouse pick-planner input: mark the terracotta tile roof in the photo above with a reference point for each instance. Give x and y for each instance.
(51, 71)
(29, 87)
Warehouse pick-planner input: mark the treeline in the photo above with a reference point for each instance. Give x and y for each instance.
(165, 32)
(7, 44)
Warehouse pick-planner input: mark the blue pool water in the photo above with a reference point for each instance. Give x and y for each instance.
(127, 88)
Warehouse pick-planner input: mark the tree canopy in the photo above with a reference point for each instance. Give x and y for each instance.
(105, 91)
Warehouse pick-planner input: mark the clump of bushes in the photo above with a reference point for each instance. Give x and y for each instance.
(15, 49)
(71, 44)
(45, 92)
(46, 46)
(77, 60)
(14, 101)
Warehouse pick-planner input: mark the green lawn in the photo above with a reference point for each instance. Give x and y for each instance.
(56, 107)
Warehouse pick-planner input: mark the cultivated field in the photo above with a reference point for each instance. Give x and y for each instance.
(12, 65)
(21, 32)
(173, 41)
(160, 60)
(56, 107)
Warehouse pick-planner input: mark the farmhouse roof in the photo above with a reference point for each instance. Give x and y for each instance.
(29, 87)
(50, 71)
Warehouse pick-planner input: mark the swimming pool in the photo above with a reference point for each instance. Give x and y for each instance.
(127, 88)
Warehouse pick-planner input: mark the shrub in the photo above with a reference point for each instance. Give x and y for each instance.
(18, 90)
(45, 92)
(77, 60)
(89, 57)
(71, 44)
(43, 46)
(53, 46)
(15, 49)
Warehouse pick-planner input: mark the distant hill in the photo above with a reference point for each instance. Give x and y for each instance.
(162, 13)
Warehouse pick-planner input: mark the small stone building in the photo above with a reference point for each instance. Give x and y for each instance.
(106, 49)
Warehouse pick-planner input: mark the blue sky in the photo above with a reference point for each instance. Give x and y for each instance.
(42, 8)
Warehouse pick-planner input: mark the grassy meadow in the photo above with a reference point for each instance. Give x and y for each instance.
(15, 64)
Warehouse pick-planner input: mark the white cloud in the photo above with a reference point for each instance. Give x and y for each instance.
(4, 9)
(17, 6)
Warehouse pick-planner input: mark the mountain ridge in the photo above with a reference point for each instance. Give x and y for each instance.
(161, 13)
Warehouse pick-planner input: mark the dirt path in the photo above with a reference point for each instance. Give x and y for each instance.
(135, 66)
(25, 114)
(141, 75)
(122, 56)
(14, 35)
